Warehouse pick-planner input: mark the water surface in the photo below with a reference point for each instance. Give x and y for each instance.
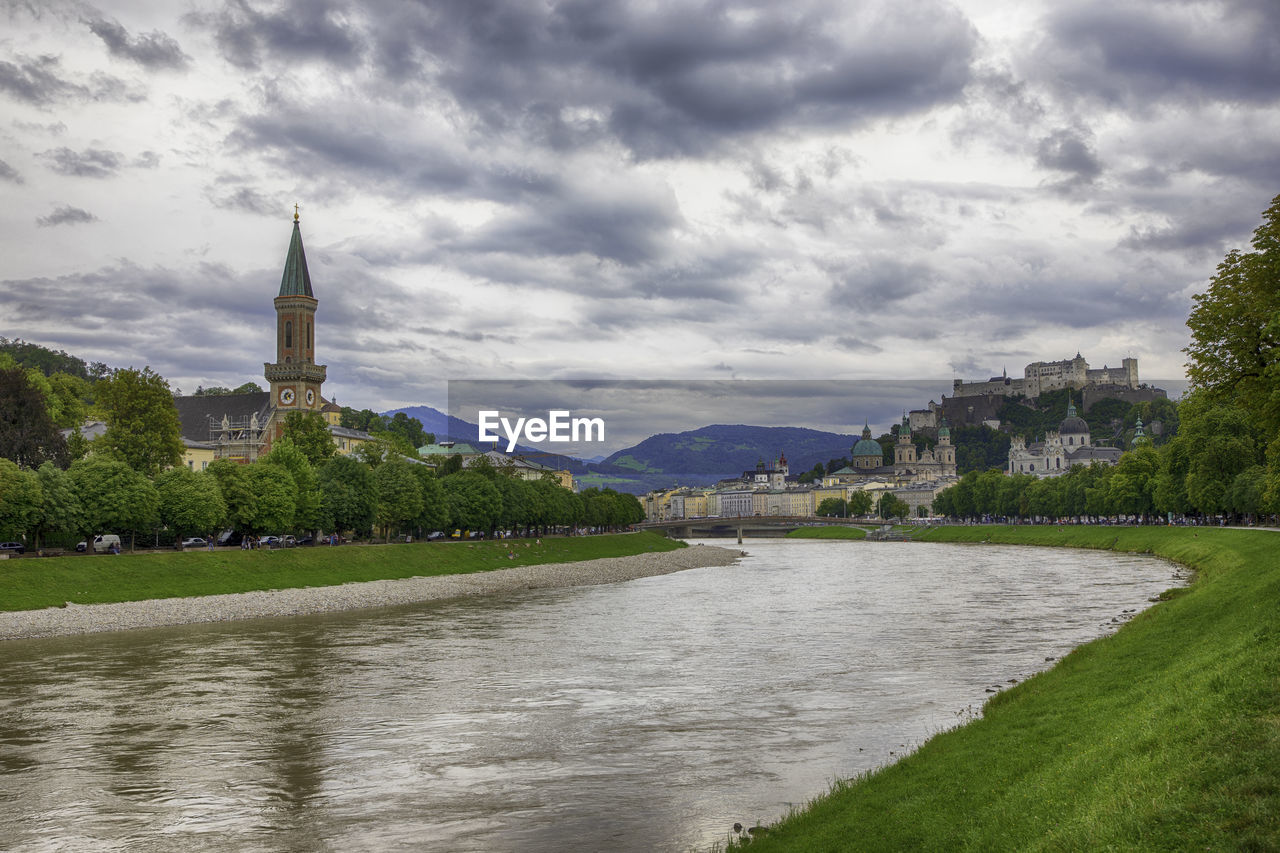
(648, 715)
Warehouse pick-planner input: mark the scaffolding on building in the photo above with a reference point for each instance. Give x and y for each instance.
(240, 439)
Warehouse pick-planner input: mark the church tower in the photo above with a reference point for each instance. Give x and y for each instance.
(295, 377)
(904, 452)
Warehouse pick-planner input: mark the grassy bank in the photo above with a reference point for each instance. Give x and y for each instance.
(34, 583)
(1165, 736)
(834, 532)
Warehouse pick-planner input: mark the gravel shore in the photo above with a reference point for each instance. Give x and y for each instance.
(90, 619)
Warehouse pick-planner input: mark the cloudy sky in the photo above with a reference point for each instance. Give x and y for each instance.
(618, 189)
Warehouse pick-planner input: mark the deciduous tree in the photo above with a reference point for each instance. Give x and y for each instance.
(28, 436)
(190, 501)
(399, 495)
(114, 498)
(21, 499)
(349, 494)
(276, 492)
(142, 422)
(310, 433)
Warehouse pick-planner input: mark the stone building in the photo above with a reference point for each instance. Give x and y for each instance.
(1070, 445)
(1041, 376)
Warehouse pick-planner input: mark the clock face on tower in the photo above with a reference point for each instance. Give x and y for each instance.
(311, 397)
(286, 396)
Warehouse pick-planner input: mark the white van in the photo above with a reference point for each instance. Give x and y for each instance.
(102, 543)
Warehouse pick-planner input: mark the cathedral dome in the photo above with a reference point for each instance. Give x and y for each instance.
(868, 447)
(1073, 424)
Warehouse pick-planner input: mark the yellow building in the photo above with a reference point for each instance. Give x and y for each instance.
(197, 455)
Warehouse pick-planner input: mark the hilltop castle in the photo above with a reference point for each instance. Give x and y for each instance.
(1041, 376)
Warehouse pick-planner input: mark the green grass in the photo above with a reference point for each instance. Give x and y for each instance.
(31, 583)
(833, 532)
(1164, 736)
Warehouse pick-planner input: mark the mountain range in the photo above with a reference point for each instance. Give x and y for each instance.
(695, 457)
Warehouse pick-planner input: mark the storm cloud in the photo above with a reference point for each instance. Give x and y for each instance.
(627, 189)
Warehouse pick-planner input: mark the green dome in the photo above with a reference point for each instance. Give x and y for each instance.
(868, 447)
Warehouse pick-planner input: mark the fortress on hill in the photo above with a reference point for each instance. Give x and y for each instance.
(978, 402)
(1041, 376)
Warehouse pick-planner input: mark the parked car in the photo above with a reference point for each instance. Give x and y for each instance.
(288, 541)
(270, 542)
(102, 543)
(194, 542)
(13, 548)
(308, 539)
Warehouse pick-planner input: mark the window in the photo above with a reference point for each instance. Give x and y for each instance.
(288, 333)
(309, 344)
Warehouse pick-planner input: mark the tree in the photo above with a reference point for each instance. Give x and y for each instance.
(190, 502)
(1245, 498)
(1235, 325)
(60, 508)
(365, 419)
(399, 495)
(70, 399)
(28, 436)
(308, 514)
(833, 508)
(309, 432)
(349, 494)
(1133, 482)
(142, 422)
(859, 504)
(474, 502)
(1219, 440)
(517, 502)
(276, 492)
(892, 506)
(435, 511)
(21, 500)
(113, 497)
(241, 504)
(406, 433)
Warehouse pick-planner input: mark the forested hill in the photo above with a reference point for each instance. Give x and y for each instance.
(723, 449)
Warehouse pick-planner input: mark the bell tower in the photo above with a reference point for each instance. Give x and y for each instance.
(295, 377)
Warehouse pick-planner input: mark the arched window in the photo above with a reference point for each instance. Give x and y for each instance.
(288, 333)
(309, 344)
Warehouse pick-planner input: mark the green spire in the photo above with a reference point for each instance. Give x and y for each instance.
(1071, 405)
(296, 280)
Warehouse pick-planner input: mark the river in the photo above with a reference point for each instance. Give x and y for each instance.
(647, 715)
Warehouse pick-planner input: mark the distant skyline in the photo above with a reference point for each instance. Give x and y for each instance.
(622, 190)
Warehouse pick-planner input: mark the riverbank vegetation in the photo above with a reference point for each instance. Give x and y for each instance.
(834, 532)
(1163, 736)
(31, 584)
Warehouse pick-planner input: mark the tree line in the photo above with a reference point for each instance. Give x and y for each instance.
(130, 480)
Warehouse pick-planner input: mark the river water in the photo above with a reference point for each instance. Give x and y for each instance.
(648, 715)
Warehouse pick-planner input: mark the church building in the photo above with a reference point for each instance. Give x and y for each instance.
(910, 464)
(1070, 445)
(242, 426)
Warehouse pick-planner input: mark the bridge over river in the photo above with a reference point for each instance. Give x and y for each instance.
(746, 526)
